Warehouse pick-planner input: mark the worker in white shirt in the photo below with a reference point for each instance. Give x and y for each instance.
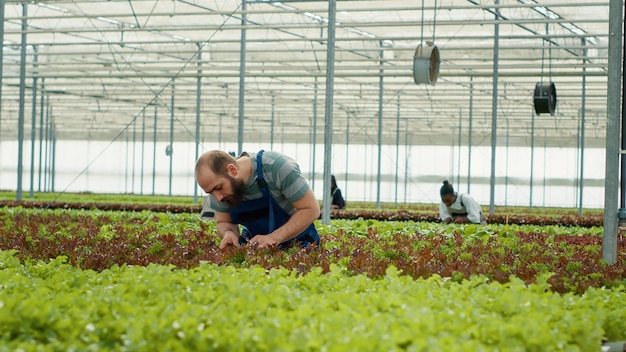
(459, 208)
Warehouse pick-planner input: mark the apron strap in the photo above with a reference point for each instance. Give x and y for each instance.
(264, 189)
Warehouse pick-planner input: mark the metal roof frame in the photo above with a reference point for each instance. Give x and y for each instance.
(101, 66)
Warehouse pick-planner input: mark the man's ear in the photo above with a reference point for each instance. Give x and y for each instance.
(232, 170)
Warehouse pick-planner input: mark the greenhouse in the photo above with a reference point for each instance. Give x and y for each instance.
(131, 79)
(516, 102)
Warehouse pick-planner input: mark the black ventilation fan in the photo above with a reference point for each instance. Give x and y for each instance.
(545, 98)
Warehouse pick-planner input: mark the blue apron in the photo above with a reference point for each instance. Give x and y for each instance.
(263, 215)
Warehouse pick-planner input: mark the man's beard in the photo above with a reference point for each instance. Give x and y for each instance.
(239, 189)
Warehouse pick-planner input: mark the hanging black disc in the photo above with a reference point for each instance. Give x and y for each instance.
(545, 98)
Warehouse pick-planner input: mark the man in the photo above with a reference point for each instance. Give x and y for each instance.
(263, 191)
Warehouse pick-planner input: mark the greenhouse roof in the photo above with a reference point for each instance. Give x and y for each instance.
(103, 69)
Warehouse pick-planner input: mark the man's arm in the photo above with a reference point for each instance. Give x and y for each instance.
(228, 231)
(307, 211)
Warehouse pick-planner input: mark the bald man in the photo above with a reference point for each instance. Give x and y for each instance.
(265, 192)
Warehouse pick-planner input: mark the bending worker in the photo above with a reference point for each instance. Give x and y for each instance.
(337, 201)
(265, 192)
(458, 208)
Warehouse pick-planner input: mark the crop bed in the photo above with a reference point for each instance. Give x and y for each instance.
(419, 213)
(142, 280)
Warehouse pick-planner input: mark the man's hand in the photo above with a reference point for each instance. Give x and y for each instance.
(227, 230)
(229, 239)
(266, 241)
(307, 211)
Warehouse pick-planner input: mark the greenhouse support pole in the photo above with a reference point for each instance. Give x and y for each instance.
(41, 136)
(272, 121)
(33, 127)
(170, 150)
(582, 131)
(219, 131)
(407, 150)
(328, 118)
(143, 149)
(242, 76)
(345, 185)
(545, 161)
(623, 151)
(532, 156)
(126, 164)
(2, 6)
(312, 136)
(154, 150)
(469, 133)
(53, 156)
(452, 156)
(397, 150)
(46, 164)
(494, 112)
(133, 162)
(506, 165)
(458, 162)
(577, 180)
(313, 147)
(609, 241)
(365, 171)
(20, 117)
(381, 88)
(198, 102)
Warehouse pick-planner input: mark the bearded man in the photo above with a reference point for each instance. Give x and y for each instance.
(265, 192)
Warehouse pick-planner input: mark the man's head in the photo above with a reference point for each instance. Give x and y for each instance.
(217, 173)
(447, 193)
